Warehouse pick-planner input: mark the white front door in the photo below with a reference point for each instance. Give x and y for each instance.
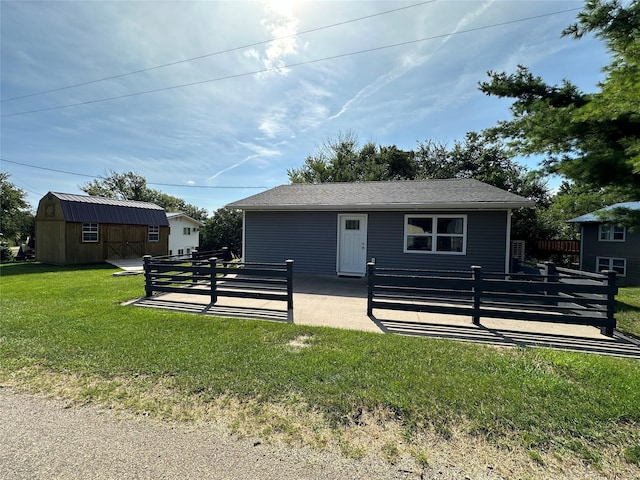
(352, 244)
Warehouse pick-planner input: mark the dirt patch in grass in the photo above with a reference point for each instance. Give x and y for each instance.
(363, 436)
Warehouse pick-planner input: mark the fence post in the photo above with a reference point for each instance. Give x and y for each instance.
(476, 272)
(225, 260)
(148, 285)
(611, 302)
(212, 267)
(289, 264)
(371, 273)
(551, 276)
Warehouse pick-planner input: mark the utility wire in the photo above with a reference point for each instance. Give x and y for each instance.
(293, 65)
(104, 178)
(177, 62)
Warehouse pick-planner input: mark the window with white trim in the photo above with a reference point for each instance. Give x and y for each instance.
(611, 233)
(90, 232)
(186, 230)
(618, 265)
(444, 234)
(154, 233)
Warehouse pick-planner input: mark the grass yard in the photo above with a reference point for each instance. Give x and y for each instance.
(628, 310)
(63, 331)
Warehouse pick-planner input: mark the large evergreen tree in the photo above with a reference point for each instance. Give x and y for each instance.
(590, 138)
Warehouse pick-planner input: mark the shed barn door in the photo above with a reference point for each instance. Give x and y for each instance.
(134, 241)
(114, 242)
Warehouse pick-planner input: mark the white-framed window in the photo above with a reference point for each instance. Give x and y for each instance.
(186, 231)
(181, 251)
(618, 265)
(154, 233)
(611, 233)
(90, 232)
(442, 234)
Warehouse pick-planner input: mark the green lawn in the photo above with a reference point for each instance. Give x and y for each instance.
(68, 323)
(628, 310)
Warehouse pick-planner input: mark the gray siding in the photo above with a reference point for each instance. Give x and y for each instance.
(486, 243)
(629, 249)
(310, 239)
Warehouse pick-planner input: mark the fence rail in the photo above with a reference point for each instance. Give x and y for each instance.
(553, 295)
(217, 278)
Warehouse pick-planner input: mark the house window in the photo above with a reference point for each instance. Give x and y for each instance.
(186, 231)
(618, 265)
(89, 232)
(446, 234)
(154, 233)
(611, 233)
(181, 251)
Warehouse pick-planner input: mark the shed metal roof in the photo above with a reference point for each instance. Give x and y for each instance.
(85, 208)
(596, 217)
(394, 195)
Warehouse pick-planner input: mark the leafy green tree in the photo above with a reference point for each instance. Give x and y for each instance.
(16, 220)
(342, 159)
(592, 139)
(224, 229)
(131, 186)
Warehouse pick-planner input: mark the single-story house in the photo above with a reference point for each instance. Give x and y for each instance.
(609, 246)
(81, 229)
(335, 228)
(184, 233)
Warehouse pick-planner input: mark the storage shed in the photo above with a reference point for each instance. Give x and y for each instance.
(81, 229)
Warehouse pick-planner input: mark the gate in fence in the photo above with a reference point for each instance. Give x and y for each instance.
(555, 295)
(220, 278)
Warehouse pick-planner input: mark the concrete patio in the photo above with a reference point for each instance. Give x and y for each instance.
(342, 303)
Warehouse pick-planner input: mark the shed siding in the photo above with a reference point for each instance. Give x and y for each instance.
(310, 239)
(629, 249)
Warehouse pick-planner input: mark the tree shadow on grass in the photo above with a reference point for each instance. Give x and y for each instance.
(26, 268)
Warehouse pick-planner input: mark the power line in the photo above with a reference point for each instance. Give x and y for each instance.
(177, 62)
(104, 178)
(293, 65)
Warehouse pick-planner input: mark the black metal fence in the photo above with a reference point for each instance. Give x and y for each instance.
(551, 295)
(220, 278)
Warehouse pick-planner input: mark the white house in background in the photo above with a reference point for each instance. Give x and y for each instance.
(184, 233)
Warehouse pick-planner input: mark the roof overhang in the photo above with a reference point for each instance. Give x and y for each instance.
(387, 207)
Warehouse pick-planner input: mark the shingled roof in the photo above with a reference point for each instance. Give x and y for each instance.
(458, 194)
(85, 208)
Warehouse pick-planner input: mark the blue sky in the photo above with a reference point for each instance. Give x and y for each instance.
(256, 118)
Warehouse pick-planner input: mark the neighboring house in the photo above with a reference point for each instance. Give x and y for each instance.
(184, 233)
(607, 246)
(335, 228)
(78, 229)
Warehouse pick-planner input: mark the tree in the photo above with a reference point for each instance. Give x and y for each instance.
(341, 159)
(16, 220)
(592, 139)
(131, 186)
(224, 229)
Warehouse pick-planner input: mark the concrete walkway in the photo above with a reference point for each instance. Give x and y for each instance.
(341, 303)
